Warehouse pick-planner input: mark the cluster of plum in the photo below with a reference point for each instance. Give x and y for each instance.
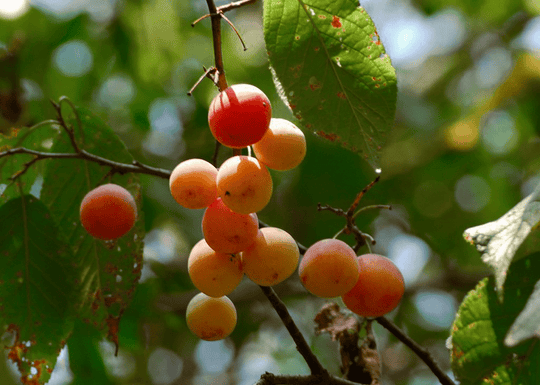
(233, 244)
(370, 284)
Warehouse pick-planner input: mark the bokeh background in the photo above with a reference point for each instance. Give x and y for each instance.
(464, 150)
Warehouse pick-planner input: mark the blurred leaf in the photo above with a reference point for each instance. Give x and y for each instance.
(331, 68)
(499, 240)
(527, 325)
(154, 28)
(38, 289)
(85, 359)
(108, 271)
(478, 350)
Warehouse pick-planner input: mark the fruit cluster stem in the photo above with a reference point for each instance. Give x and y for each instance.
(216, 37)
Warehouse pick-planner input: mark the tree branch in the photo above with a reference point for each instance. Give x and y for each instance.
(419, 350)
(117, 167)
(216, 36)
(301, 344)
(274, 379)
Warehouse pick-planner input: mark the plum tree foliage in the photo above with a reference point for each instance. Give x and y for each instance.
(97, 250)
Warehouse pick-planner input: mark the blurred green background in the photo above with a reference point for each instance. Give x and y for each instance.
(464, 150)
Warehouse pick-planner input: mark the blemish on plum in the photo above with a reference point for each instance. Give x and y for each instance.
(336, 22)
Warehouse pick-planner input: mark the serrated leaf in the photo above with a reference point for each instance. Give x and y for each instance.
(331, 69)
(478, 352)
(38, 292)
(499, 240)
(527, 325)
(108, 271)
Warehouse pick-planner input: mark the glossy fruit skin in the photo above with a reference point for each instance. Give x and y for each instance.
(215, 274)
(108, 211)
(239, 116)
(210, 318)
(283, 147)
(244, 184)
(226, 231)
(272, 258)
(193, 183)
(329, 268)
(379, 288)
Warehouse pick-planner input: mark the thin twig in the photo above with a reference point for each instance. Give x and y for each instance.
(69, 130)
(234, 29)
(207, 73)
(65, 99)
(301, 344)
(371, 207)
(419, 350)
(360, 195)
(199, 19)
(236, 4)
(117, 167)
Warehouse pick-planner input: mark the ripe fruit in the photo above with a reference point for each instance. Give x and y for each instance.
(226, 231)
(239, 116)
(283, 147)
(379, 288)
(193, 183)
(215, 274)
(244, 184)
(329, 268)
(272, 258)
(108, 211)
(211, 318)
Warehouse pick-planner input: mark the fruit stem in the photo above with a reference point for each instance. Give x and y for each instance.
(388, 207)
(301, 344)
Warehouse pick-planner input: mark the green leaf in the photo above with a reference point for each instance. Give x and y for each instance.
(331, 69)
(85, 359)
(527, 325)
(478, 352)
(36, 138)
(38, 292)
(108, 271)
(499, 240)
